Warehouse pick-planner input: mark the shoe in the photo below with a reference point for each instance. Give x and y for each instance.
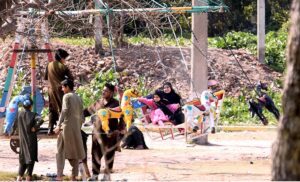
(106, 177)
(28, 178)
(213, 130)
(118, 148)
(140, 147)
(93, 178)
(50, 132)
(59, 178)
(195, 129)
(19, 178)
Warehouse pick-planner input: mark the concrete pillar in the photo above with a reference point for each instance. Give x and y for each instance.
(198, 61)
(261, 47)
(98, 27)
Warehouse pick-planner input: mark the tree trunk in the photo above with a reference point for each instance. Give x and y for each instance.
(118, 40)
(98, 28)
(286, 149)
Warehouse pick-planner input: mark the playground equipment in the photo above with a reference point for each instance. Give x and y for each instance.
(126, 110)
(8, 109)
(33, 48)
(263, 100)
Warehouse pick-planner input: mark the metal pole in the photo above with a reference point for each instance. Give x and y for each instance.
(198, 60)
(261, 30)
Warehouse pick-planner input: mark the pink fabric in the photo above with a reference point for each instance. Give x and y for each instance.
(172, 107)
(149, 102)
(156, 115)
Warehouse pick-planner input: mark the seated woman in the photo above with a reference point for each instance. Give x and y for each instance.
(161, 110)
(173, 98)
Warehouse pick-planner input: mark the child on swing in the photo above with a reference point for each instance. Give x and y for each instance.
(161, 110)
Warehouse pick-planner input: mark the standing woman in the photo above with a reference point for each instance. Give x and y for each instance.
(56, 72)
(173, 98)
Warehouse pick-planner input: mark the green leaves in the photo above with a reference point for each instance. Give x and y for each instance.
(92, 92)
(275, 45)
(235, 110)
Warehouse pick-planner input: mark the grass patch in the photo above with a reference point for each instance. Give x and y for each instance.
(167, 40)
(235, 111)
(8, 176)
(80, 41)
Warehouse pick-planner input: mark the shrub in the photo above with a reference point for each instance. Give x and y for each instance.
(275, 45)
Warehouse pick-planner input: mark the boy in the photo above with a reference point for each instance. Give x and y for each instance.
(28, 124)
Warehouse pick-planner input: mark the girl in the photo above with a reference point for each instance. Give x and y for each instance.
(161, 110)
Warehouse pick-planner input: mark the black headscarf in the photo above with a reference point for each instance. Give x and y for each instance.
(61, 54)
(162, 104)
(172, 97)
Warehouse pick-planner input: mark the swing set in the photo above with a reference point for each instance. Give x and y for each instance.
(28, 22)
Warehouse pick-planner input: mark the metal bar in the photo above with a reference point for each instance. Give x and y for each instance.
(192, 9)
(49, 54)
(33, 79)
(9, 80)
(34, 50)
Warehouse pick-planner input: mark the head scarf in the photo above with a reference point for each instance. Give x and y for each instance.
(61, 54)
(172, 97)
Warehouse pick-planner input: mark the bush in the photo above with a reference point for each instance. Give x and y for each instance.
(235, 111)
(275, 45)
(92, 92)
(235, 40)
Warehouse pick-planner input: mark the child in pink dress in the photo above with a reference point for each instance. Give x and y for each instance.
(161, 110)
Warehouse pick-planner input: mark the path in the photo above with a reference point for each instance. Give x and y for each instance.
(230, 156)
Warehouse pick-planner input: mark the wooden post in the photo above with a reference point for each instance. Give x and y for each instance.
(98, 27)
(261, 30)
(198, 58)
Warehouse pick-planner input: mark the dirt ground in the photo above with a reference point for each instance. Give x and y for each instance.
(229, 156)
(134, 63)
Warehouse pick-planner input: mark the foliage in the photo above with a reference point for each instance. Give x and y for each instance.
(235, 40)
(242, 16)
(166, 40)
(275, 48)
(80, 41)
(92, 92)
(235, 110)
(275, 45)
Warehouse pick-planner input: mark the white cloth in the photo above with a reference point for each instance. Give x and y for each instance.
(209, 101)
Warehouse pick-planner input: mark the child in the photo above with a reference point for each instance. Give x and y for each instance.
(28, 123)
(161, 110)
(208, 100)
